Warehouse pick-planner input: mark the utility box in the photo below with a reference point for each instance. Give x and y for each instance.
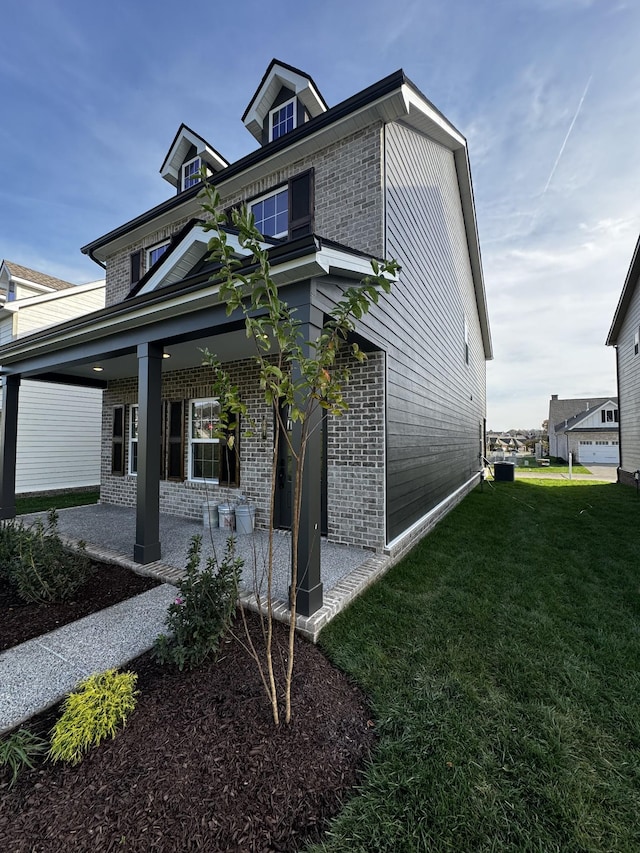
(505, 472)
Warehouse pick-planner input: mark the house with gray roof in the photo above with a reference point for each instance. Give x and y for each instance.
(585, 427)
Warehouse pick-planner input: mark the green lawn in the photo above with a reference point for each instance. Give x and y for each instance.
(502, 662)
(46, 502)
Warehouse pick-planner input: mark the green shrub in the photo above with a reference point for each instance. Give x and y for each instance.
(93, 712)
(203, 609)
(35, 561)
(18, 750)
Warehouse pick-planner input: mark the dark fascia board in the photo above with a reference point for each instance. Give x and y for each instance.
(292, 250)
(388, 84)
(288, 68)
(625, 297)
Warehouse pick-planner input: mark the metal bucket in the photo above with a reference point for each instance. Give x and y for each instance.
(245, 518)
(210, 514)
(226, 517)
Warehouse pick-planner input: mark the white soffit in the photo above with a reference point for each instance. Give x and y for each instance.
(177, 264)
(263, 100)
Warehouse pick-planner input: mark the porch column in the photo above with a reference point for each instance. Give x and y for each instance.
(147, 546)
(8, 445)
(309, 596)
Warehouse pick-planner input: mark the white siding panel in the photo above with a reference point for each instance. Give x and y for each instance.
(58, 437)
(50, 312)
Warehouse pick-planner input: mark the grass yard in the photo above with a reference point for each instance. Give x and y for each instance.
(42, 503)
(502, 661)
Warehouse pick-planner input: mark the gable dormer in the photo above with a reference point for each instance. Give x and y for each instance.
(187, 155)
(285, 99)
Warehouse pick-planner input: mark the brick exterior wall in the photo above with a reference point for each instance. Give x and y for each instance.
(356, 457)
(355, 451)
(348, 202)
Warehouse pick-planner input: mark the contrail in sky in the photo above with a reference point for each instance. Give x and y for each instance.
(566, 139)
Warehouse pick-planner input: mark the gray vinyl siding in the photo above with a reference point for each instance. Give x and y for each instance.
(629, 387)
(435, 400)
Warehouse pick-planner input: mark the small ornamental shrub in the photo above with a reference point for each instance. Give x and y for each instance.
(203, 608)
(18, 750)
(99, 706)
(35, 561)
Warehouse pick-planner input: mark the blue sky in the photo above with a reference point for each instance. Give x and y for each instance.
(546, 91)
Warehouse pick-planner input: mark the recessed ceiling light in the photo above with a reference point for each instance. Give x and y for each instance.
(97, 368)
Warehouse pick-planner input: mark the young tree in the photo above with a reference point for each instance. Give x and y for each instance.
(294, 374)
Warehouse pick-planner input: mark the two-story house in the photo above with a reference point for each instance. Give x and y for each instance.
(381, 174)
(59, 428)
(624, 335)
(586, 428)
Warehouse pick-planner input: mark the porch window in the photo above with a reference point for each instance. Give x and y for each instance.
(133, 440)
(204, 446)
(117, 441)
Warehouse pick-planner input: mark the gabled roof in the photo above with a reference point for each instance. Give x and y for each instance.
(184, 139)
(277, 75)
(630, 284)
(17, 271)
(575, 420)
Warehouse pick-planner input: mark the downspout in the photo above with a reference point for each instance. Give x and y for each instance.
(94, 259)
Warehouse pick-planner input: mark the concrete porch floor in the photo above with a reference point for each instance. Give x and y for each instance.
(109, 534)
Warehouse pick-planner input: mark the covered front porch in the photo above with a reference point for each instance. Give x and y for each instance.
(108, 531)
(146, 352)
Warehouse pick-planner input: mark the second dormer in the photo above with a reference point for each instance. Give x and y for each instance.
(188, 154)
(285, 99)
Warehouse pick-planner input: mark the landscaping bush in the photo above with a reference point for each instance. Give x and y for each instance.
(203, 609)
(35, 561)
(96, 710)
(17, 751)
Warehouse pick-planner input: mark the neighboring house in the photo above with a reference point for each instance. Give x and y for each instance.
(58, 427)
(382, 174)
(586, 428)
(624, 335)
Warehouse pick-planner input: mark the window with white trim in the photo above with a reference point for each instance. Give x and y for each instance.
(609, 416)
(271, 213)
(204, 446)
(282, 119)
(190, 171)
(156, 252)
(133, 439)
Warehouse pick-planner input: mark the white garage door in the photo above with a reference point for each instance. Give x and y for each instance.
(599, 451)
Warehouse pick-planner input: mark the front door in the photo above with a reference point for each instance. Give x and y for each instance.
(285, 467)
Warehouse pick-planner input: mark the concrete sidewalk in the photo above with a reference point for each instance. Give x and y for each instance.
(40, 672)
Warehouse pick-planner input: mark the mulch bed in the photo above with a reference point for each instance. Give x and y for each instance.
(200, 764)
(107, 585)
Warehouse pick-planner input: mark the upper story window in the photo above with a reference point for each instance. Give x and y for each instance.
(636, 342)
(609, 416)
(190, 171)
(156, 252)
(282, 119)
(271, 213)
(11, 294)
